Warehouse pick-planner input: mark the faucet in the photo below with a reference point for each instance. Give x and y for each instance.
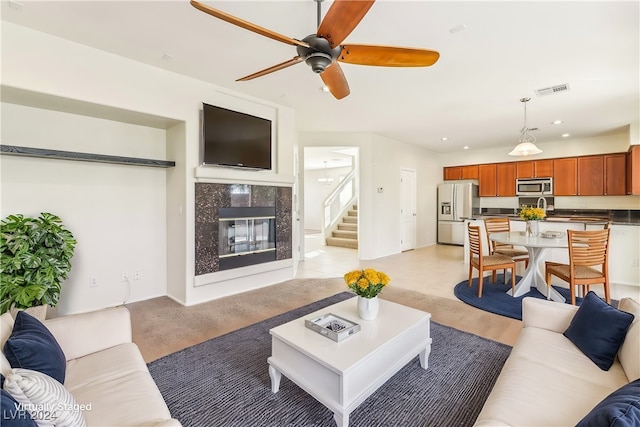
(544, 204)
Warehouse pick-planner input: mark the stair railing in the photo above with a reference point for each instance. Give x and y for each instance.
(338, 203)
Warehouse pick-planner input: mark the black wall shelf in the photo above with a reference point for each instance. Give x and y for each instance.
(14, 150)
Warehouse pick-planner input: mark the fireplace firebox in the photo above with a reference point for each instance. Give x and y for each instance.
(247, 236)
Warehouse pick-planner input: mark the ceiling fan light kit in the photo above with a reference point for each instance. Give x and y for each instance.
(319, 55)
(322, 51)
(526, 146)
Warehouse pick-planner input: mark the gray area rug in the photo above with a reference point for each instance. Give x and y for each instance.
(225, 382)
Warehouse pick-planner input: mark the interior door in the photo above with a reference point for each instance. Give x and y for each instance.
(407, 209)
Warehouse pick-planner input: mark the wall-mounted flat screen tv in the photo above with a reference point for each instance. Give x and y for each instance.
(232, 138)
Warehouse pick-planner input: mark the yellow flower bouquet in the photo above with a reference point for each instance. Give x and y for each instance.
(366, 283)
(529, 213)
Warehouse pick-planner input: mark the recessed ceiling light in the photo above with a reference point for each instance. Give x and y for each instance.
(466, 147)
(566, 135)
(324, 89)
(556, 122)
(444, 138)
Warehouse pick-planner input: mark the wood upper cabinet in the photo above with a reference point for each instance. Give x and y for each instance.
(460, 172)
(470, 172)
(534, 169)
(633, 170)
(506, 179)
(487, 180)
(565, 176)
(452, 172)
(615, 174)
(543, 168)
(605, 174)
(591, 176)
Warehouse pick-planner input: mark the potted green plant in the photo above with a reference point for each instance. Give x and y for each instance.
(35, 255)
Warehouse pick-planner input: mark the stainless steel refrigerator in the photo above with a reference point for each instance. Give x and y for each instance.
(457, 201)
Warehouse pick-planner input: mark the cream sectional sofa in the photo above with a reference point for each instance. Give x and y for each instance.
(104, 369)
(547, 380)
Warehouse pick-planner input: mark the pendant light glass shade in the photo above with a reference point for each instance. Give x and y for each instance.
(526, 145)
(525, 149)
(325, 180)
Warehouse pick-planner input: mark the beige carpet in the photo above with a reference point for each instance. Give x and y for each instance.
(162, 326)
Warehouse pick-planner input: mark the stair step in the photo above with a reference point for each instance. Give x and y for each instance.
(350, 219)
(347, 226)
(341, 242)
(347, 234)
(351, 212)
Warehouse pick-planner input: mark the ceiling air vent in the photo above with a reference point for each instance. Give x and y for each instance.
(552, 89)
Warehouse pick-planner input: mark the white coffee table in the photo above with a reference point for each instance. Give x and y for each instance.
(341, 375)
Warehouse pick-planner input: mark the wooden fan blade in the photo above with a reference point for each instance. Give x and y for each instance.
(269, 70)
(335, 80)
(341, 18)
(247, 25)
(387, 56)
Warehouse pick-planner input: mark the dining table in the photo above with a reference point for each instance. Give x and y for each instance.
(538, 247)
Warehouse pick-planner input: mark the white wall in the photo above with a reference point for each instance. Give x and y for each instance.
(44, 64)
(116, 212)
(380, 162)
(316, 194)
(389, 157)
(617, 143)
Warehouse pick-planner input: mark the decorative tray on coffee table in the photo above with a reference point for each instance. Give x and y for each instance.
(335, 327)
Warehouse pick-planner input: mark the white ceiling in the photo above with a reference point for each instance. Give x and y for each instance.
(471, 95)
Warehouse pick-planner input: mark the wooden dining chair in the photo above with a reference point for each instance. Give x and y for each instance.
(499, 225)
(487, 262)
(587, 249)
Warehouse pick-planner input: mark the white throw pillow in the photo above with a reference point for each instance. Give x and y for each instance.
(48, 402)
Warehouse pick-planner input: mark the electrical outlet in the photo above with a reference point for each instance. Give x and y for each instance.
(137, 275)
(93, 282)
(635, 263)
(124, 277)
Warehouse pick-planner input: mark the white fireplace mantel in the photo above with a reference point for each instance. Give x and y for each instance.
(223, 175)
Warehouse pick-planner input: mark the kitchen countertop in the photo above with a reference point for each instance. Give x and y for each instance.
(588, 217)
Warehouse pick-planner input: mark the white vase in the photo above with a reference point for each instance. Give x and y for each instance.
(368, 308)
(533, 228)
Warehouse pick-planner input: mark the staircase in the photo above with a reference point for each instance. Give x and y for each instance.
(346, 236)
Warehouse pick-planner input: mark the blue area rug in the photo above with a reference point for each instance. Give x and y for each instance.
(224, 382)
(495, 299)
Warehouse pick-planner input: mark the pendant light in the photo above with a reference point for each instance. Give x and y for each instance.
(526, 145)
(325, 180)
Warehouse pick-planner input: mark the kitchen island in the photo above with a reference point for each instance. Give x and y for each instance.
(624, 245)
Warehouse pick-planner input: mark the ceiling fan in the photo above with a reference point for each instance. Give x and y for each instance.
(323, 50)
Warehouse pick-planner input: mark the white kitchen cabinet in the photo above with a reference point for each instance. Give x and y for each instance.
(624, 253)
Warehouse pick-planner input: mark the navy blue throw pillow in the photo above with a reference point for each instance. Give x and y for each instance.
(32, 346)
(598, 330)
(620, 409)
(13, 415)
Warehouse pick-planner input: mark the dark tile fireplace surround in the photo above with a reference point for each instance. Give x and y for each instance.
(248, 217)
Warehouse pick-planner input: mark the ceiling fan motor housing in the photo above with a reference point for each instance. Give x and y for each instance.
(319, 55)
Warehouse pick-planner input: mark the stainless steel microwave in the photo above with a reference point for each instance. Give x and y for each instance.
(534, 187)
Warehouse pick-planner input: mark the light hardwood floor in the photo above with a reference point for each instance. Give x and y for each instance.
(423, 278)
(433, 270)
